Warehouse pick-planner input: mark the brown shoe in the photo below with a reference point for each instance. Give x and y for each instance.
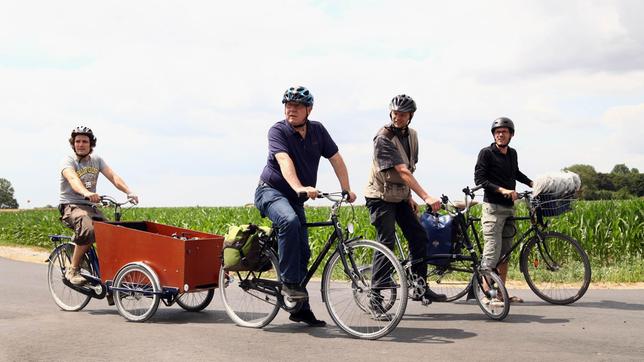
(74, 276)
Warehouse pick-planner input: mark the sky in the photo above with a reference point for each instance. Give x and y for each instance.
(181, 94)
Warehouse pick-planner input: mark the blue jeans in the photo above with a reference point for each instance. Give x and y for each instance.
(292, 237)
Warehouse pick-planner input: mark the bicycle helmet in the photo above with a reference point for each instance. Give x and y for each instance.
(298, 94)
(503, 122)
(82, 130)
(402, 103)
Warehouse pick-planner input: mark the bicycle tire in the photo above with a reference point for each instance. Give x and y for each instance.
(346, 301)
(451, 280)
(65, 297)
(389, 295)
(557, 268)
(495, 301)
(196, 301)
(139, 298)
(245, 304)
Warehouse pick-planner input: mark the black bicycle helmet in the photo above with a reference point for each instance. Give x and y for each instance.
(402, 103)
(503, 122)
(82, 130)
(298, 94)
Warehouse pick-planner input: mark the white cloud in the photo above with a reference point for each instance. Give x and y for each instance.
(181, 95)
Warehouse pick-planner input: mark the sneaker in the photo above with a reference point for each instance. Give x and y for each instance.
(74, 277)
(294, 292)
(306, 316)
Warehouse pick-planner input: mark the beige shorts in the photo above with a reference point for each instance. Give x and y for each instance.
(79, 218)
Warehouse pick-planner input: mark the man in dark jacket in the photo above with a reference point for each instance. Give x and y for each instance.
(497, 170)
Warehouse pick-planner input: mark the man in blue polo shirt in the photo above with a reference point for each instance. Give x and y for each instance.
(295, 146)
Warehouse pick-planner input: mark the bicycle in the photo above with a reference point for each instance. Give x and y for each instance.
(253, 298)
(554, 265)
(136, 290)
(458, 272)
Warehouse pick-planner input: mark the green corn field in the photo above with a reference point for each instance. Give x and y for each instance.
(612, 232)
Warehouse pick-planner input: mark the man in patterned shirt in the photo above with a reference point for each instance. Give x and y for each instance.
(78, 197)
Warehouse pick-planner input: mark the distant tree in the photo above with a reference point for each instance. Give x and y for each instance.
(620, 169)
(605, 182)
(7, 201)
(622, 194)
(620, 183)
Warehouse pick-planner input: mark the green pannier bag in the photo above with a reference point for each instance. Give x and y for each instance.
(242, 250)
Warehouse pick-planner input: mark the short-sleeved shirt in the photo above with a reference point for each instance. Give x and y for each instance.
(87, 170)
(305, 153)
(386, 153)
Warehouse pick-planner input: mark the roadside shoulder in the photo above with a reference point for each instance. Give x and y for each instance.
(23, 253)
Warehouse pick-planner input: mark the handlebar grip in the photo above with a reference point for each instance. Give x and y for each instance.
(476, 188)
(302, 194)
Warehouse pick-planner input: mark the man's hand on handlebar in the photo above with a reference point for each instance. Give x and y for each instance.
(311, 192)
(134, 199)
(434, 203)
(350, 195)
(509, 194)
(92, 197)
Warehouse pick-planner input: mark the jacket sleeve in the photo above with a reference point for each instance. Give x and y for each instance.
(521, 177)
(480, 172)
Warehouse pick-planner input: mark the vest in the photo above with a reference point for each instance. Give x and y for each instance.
(387, 185)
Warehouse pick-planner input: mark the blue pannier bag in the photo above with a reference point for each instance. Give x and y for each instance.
(439, 233)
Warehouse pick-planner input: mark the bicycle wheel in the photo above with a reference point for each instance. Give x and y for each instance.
(494, 301)
(250, 297)
(389, 295)
(556, 268)
(136, 292)
(65, 297)
(453, 280)
(358, 308)
(196, 301)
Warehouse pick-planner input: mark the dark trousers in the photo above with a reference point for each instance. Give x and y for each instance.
(384, 217)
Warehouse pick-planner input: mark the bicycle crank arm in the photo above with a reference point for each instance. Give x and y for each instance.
(97, 291)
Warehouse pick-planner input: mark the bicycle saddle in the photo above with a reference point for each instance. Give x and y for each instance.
(461, 205)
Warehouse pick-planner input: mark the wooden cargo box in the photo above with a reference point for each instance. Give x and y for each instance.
(178, 256)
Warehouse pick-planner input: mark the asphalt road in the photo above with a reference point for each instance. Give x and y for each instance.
(604, 325)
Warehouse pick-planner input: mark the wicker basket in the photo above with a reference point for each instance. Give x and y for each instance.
(549, 205)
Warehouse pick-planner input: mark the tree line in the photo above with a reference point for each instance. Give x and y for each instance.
(621, 183)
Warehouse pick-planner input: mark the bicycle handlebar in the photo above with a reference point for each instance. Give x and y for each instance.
(524, 194)
(331, 196)
(107, 200)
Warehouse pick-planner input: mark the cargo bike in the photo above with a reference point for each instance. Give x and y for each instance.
(136, 265)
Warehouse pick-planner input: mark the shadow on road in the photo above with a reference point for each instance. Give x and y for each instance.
(175, 316)
(400, 334)
(609, 304)
(511, 318)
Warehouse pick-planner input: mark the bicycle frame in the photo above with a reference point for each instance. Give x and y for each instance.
(533, 230)
(336, 239)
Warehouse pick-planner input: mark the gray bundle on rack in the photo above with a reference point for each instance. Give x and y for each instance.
(556, 185)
